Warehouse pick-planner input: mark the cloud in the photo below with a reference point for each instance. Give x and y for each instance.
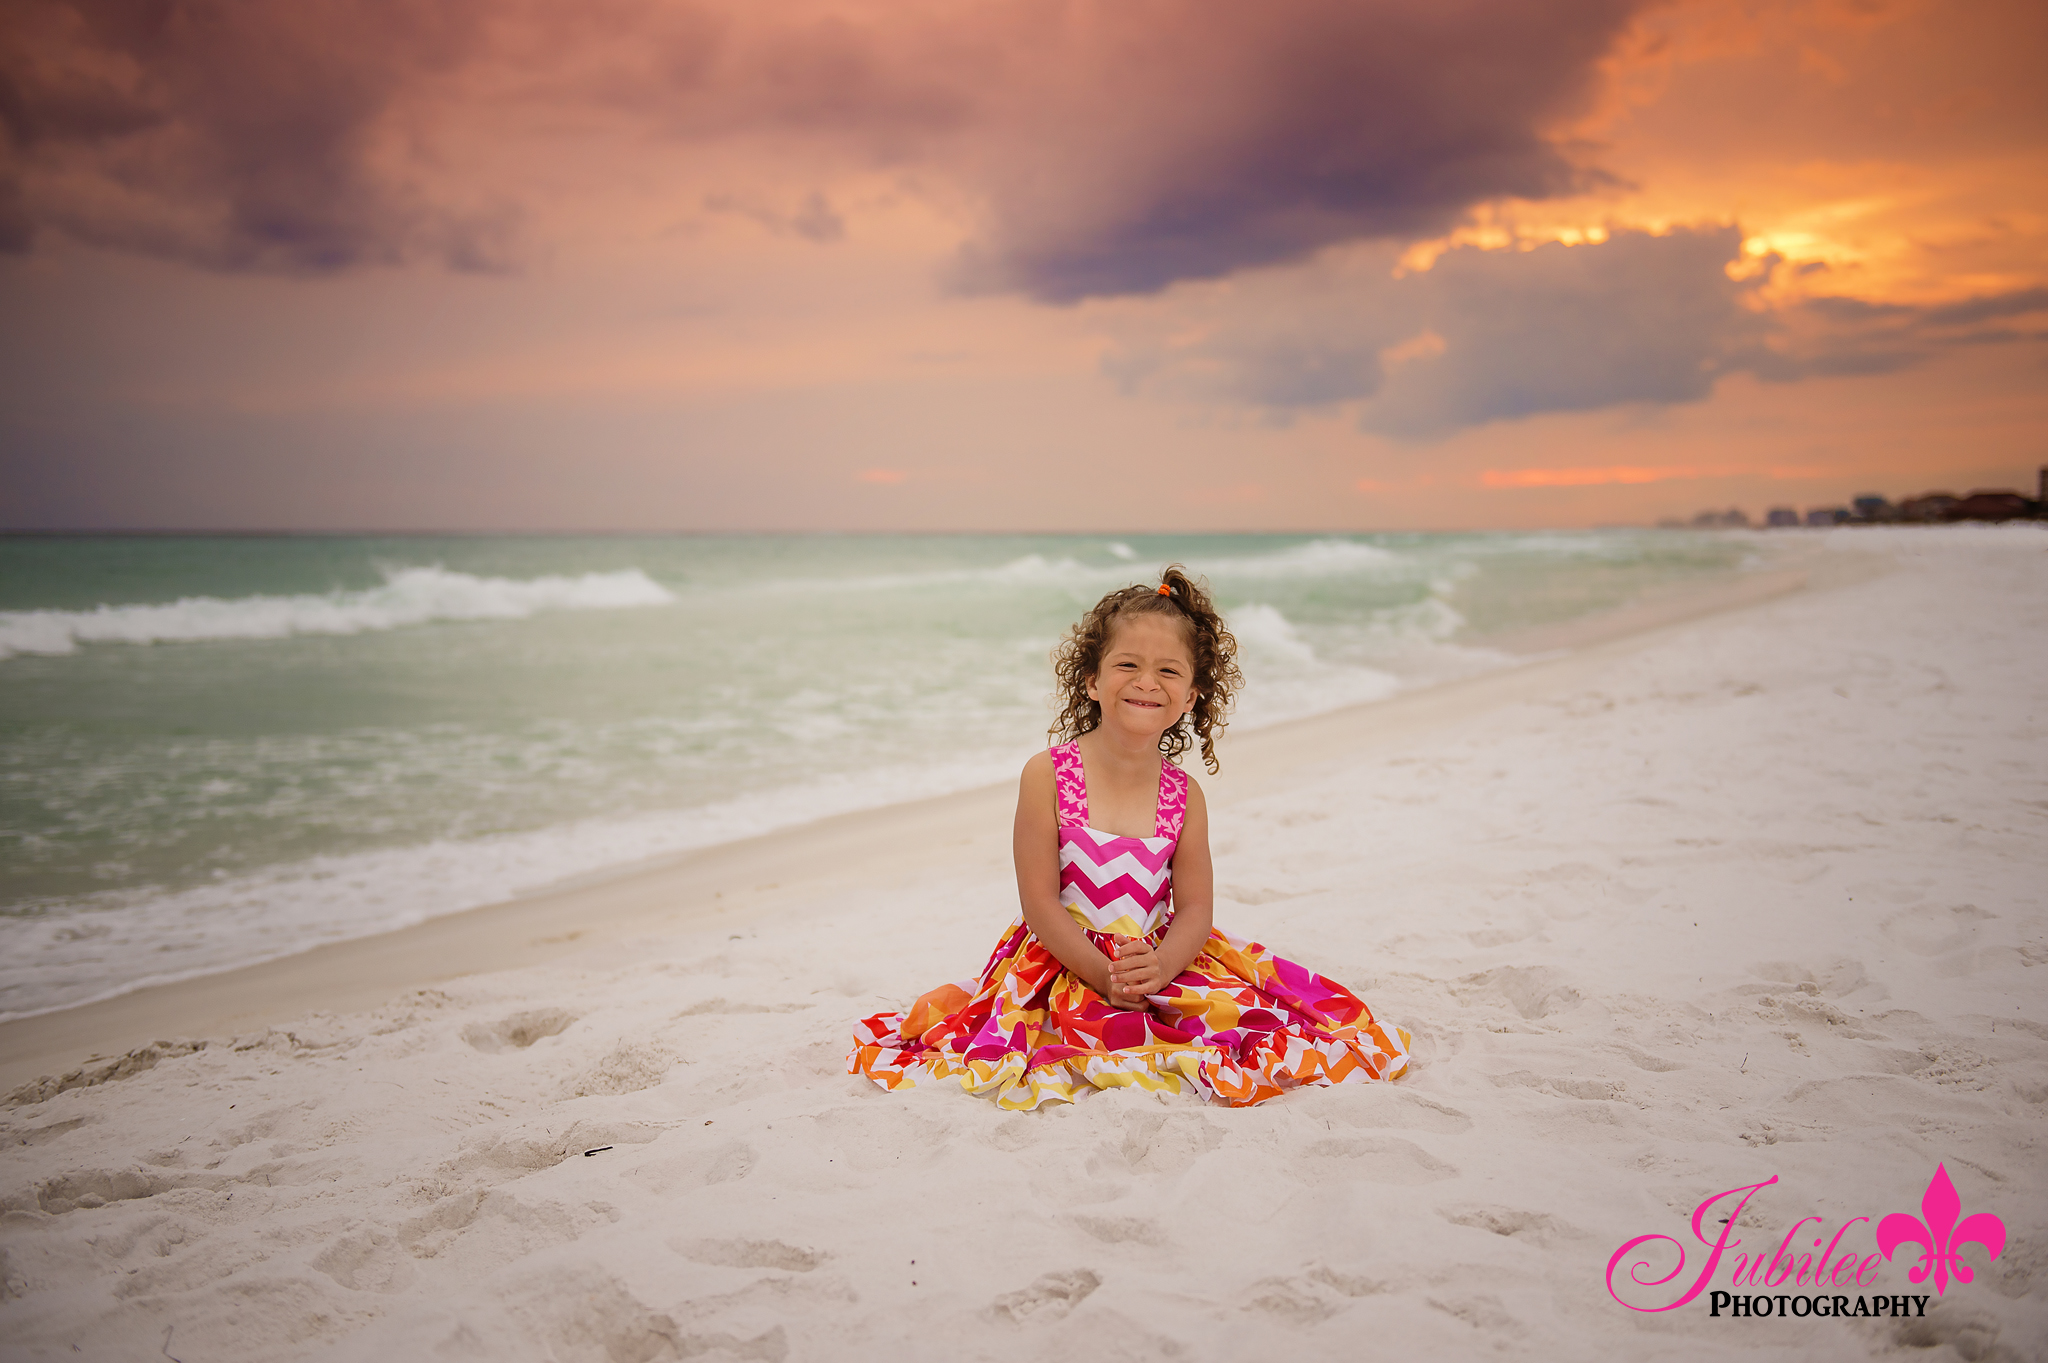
(1289, 346)
(1105, 146)
(1497, 335)
(1636, 318)
(1840, 335)
(1993, 307)
(814, 219)
(1481, 336)
(232, 133)
(1163, 142)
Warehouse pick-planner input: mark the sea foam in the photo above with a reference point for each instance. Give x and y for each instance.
(1323, 558)
(408, 596)
(1316, 558)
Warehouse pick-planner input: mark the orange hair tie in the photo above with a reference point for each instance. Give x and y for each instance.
(1165, 590)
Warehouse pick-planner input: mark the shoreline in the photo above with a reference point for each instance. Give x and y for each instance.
(682, 889)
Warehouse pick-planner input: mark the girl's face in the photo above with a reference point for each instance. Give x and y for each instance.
(1146, 683)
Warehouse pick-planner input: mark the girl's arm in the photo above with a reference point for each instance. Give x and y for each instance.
(1141, 969)
(1037, 850)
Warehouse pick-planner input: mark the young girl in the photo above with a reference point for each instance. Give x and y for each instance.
(1112, 974)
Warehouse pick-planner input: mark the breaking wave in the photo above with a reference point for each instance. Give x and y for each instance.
(408, 596)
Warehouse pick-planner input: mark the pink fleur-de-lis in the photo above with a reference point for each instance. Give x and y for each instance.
(1941, 1236)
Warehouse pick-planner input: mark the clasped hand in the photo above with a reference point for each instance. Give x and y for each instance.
(1134, 972)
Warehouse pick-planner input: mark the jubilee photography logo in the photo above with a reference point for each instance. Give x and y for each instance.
(1816, 1280)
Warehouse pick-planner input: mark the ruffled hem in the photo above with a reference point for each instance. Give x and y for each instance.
(1203, 1070)
(1240, 1026)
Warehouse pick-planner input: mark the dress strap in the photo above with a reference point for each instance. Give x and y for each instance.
(1072, 780)
(1173, 800)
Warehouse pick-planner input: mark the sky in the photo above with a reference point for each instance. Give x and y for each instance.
(984, 265)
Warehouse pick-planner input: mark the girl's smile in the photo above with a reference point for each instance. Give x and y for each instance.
(1146, 675)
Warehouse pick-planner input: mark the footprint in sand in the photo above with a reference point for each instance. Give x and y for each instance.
(719, 1007)
(1532, 991)
(517, 1032)
(1121, 1230)
(1479, 1311)
(1379, 1105)
(1160, 1143)
(1510, 1223)
(1050, 1297)
(1586, 1090)
(1643, 1060)
(369, 1261)
(1291, 1300)
(36, 1135)
(1311, 1297)
(734, 1162)
(1016, 1133)
(425, 1236)
(693, 1168)
(491, 1158)
(1932, 930)
(627, 1069)
(749, 1254)
(1834, 978)
(87, 1190)
(1375, 1159)
(866, 1137)
(584, 1312)
(1972, 1334)
(1348, 1284)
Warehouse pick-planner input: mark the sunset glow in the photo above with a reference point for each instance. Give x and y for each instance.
(674, 265)
(1592, 477)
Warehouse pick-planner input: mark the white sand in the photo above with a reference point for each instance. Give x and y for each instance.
(1761, 894)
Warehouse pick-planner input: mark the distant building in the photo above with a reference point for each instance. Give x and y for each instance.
(1990, 504)
(1929, 506)
(1781, 515)
(1827, 515)
(1731, 519)
(1871, 507)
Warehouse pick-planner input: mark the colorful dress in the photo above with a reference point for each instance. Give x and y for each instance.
(1239, 1025)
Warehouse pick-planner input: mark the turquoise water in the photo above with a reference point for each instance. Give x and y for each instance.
(215, 751)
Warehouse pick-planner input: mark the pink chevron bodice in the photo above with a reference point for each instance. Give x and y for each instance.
(1111, 883)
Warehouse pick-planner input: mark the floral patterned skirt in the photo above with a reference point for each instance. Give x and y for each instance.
(1239, 1025)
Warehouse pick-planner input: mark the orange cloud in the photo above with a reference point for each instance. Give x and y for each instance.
(882, 475)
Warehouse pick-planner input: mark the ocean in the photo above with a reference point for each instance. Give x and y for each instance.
(216, 751)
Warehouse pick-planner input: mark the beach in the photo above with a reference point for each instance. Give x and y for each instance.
(1679, 904)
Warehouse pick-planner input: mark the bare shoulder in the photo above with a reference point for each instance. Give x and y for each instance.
(1038, 794)
(1039, 784)
(1195, 820)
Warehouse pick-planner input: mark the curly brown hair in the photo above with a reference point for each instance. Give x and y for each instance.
(1079, 658)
